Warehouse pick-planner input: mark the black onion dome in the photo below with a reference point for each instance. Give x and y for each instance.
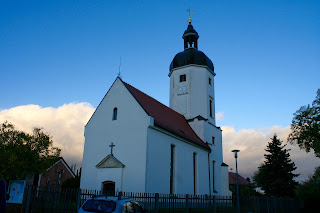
(191, 56)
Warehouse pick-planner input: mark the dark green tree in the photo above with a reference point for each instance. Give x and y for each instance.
(23, 153)
(275, 175)
(309, 191)
(73, 182)
(305, 127)
(311, 187)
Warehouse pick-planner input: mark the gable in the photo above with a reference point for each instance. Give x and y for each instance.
(118, 97)
(60, 163)
(110, 162)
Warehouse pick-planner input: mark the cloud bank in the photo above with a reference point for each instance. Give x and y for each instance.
(252, 144)
(66, 126)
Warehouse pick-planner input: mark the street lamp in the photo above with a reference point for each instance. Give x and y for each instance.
(237, 175)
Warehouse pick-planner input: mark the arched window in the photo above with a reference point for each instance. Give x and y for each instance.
(115, 113)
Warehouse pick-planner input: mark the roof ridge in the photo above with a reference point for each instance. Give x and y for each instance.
(154, 99)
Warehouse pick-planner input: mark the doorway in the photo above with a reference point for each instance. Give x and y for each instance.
(109, 188)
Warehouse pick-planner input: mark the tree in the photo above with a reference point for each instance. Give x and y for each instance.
(309, 191)
(305, 127)
(22, 153)
(73, 182)
(311, 187)
(275, 175)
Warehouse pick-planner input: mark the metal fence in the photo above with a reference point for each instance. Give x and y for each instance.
(57, 200)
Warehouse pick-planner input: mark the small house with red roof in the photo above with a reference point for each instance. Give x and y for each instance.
(56, 174)
(233, 179)
(134, 143)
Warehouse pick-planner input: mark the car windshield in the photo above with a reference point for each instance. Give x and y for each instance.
(99, 206)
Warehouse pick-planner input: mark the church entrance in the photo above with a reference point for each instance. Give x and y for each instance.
(109, 188)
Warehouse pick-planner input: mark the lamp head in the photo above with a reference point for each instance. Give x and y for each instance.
(235, 152)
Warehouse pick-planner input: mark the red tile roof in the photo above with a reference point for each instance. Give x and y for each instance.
(233, 179)
(165, 117)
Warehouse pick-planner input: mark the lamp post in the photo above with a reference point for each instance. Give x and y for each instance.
(237, 175)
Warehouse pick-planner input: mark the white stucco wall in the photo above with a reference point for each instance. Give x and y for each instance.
(158, 165)
(129, 135)
(225, 181)
(198, 92)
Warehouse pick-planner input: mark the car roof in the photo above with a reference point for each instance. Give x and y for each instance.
(112, 198)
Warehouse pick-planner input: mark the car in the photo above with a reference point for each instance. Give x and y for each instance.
(111, 204)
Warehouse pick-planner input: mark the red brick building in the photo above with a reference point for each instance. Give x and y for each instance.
(56, 174)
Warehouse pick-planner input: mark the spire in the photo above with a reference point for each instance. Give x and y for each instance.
(190, 36)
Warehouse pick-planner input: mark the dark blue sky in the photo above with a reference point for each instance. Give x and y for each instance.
(266, 53)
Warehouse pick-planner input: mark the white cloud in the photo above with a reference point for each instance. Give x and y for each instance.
(252, 144)
(65, 124)
(219, 116)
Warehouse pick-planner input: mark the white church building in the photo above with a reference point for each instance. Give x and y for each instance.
(134, 143)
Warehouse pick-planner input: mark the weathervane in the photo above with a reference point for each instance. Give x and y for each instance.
(190, 11)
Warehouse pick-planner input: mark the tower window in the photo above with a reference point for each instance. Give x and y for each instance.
(210, 107)
(209, 81)
(213, 140)
(183, 78)
(115, 113)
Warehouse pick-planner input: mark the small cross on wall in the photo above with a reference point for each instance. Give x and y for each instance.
(112, 145)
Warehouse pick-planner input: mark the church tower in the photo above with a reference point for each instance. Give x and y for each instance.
(192, 80)
(192, 95)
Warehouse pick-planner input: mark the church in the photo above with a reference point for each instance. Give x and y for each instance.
(133, 143)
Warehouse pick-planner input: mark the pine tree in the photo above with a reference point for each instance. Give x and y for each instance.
(275, 175)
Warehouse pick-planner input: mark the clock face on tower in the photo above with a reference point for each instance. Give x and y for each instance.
(182, 90)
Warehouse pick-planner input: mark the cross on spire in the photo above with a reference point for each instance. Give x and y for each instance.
(119, 73)
(112, 145)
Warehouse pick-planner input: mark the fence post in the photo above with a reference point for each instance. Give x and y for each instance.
(156, 202)
(29, 198)
(187, 203)
(119, 195)
(214, 204)
(78, 199)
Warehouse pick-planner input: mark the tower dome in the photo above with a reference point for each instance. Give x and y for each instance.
(191, 54)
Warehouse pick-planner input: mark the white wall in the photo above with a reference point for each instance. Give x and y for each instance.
(128, 133)
(225, 181)
(158, 165)
(198, 92)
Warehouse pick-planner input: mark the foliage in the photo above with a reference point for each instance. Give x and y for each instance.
(275, 175)
(244, 190)
(305, 127)
(73, 182)
(22, 153)
(309, 191)
(311, 187)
